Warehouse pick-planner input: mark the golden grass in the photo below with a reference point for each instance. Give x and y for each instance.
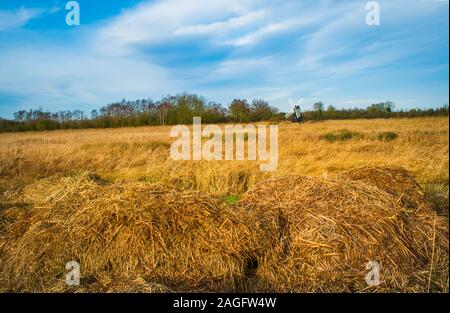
(144, 220)
(143, 153)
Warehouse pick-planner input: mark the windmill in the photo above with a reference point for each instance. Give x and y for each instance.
(295, 114)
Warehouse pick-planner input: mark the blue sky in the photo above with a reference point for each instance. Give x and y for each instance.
(223, 49)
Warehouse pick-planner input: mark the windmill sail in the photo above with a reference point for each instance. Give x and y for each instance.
(295, 109)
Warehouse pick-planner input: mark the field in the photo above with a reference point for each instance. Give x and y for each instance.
(62, 172)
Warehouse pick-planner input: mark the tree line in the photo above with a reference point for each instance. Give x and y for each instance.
(376, 110)
(181, 108)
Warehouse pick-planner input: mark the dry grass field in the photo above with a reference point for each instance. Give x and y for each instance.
(135, 220)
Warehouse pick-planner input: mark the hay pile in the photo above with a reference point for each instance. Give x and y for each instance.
(394, 180)
(303, 234)
(126, 236)
(321, 232)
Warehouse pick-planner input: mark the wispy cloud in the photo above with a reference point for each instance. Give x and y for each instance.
(156, 22)
(17, 18)
(215, 28)
(56, 77)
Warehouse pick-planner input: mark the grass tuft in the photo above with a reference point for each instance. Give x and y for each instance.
(231, 199)
(342, 135)
(387, 136)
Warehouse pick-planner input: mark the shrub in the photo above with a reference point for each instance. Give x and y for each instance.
(387, 136)
(342, 135)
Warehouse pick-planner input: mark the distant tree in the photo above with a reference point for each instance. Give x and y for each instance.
(214, 113)
(318, 107)
(163, 107)
(78, 115)
(331, 108)
(239, 110)
(381, 107)
(94, 114)
(258, 105)
(261, 110)
(20, 116)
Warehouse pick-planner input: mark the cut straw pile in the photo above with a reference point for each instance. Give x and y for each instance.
(302, 234)
(394, 180)
(322, 232)
(127, 236)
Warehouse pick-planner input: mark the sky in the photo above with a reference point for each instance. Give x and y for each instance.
(321, 50)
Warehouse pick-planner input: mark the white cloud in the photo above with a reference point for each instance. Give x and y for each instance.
(230, 22)
(17, 18)
(54, 78)
(261, 33)
(283, 21)
(220, 27)
(152, 23)
(362, 47)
